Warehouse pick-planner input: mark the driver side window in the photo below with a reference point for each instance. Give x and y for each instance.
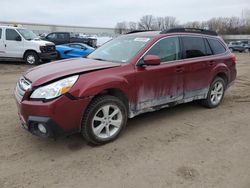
(51, 36)
(167, 49)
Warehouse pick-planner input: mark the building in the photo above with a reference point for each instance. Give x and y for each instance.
(48, 28)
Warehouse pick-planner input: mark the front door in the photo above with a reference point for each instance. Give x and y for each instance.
(161, 84)
(13, 44)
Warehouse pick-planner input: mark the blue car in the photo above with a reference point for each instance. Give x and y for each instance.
(72, 50)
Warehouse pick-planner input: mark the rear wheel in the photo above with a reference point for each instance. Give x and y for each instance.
(104, 120)
(246, 50)
(216, 93)
(31, 58)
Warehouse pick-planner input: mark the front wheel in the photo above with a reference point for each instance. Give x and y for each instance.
(215, 94)
(246, 50)
(104, 120)
(31, 58)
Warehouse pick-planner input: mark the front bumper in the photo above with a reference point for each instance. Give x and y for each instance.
(61, 116)
(48, 56)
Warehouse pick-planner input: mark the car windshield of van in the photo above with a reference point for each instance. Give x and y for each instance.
(27, 34)
(120, 50)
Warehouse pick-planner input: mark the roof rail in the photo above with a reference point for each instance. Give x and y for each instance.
(190, 30)
(138, 31)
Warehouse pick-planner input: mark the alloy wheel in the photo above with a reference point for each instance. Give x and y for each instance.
(107, 121)
(217, 93)
(31, 59)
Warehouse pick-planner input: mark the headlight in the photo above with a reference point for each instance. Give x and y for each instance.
(55, 89)
(43, 49)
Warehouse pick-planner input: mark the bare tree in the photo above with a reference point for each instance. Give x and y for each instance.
(121, 28)
(132, 26)
(222, 25)
(169, 22)
(159, 23)
(146, 22)
(164, 23)
(194, 24)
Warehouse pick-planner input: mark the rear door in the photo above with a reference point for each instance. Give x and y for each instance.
(2, 47)
(161, 84)
(62, 38)
(197, 67)
(13, 46)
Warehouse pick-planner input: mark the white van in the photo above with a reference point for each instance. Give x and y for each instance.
(17, 43)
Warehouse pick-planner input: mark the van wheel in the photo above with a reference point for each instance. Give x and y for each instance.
(215, 94)
(104, 120)
(246, 50)
(31, 58)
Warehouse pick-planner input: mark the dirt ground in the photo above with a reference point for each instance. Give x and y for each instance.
(185, 146)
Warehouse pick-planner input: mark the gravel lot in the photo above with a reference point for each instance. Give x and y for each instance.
(185, 146)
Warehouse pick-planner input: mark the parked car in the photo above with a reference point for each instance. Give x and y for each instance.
(127, 76)
(17, 43)
(67, 37)
(72, 50)
(239, 46)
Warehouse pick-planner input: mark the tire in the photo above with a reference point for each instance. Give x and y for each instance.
(246, 50)
(231, 49)
(31, 58)
(98, 128)
(215, 96)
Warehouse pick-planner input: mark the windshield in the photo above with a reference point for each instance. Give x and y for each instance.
(121, 49)
(27, 34)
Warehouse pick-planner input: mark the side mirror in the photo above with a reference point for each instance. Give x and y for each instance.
(152, 60)
(18, 38)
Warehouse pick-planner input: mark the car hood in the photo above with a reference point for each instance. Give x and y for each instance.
(41, 42)
(61, 47)
(48, 72)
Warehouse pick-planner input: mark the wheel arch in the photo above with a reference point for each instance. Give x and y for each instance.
(116, 92)
(29, 50)
(222, 75)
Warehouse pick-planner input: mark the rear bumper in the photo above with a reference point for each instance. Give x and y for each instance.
(48, 56)
(60, 117)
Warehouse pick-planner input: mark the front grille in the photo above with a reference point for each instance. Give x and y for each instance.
(50, 48)
(21, 88)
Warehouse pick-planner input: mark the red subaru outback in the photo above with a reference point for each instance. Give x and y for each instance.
(132, 74)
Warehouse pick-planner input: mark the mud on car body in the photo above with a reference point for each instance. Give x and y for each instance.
(132, 74)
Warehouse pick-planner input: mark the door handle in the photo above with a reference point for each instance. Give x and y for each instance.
(5, 45)
(179, 69)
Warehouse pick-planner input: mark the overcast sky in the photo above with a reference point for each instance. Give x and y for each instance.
(106, 13)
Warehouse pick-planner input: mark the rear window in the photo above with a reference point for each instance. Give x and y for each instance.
(193, 47)
(216, 46)
(0, 33)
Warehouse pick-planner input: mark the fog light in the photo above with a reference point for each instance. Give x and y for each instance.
(42, 128)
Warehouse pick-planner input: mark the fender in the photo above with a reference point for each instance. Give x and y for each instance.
(218, 69)
(94, 86)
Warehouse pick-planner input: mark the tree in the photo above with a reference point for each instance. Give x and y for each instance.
(132, 26)
(146, 22)
(121, 28)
